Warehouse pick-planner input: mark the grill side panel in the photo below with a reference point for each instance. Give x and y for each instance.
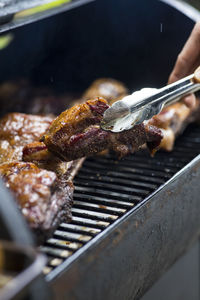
(107, 190)
(140, 247)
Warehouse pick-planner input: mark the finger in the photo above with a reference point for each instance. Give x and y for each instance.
(197, 75)
(189, 58)
(190, 101)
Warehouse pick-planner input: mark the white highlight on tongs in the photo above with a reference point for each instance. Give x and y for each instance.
(144, 104)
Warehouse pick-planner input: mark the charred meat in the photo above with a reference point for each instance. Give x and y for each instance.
(40, 195)
(16, 130)
(77, 133)
(43, 190)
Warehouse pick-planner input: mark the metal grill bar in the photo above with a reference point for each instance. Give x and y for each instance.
(94, 214)
(88, 222)
(106, 189)
(105, 201)
(80, 229)
(54, 242)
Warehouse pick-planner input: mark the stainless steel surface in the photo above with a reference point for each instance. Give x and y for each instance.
(14, 14)
(138, 107)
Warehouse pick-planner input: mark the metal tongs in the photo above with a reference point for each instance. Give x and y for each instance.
(144, 104)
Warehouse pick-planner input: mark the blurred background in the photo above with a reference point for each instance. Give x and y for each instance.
(195, 3)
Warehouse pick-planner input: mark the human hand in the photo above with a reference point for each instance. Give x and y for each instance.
(187, 61)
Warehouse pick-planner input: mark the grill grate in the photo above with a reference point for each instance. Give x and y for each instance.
(106, 189)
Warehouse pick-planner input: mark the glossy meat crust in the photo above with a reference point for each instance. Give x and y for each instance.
(16, 130)
(40, 195)
(44, 190)
(77, 133)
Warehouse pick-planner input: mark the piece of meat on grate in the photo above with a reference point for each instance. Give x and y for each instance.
(40, 195)
(173, 120)
(76, 133)
(44, 192)
(42, 188)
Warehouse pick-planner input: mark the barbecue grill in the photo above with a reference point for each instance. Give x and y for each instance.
(132, 219)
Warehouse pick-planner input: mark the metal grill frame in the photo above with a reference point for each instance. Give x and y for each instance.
(142, 244)
(94, 272)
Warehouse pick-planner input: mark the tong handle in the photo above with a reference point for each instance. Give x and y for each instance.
(134, 109)
(169, 94)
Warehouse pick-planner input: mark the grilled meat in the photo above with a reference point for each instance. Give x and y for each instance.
(77, 133)
(173, 120)
(40, 195)
(42, 187)
(42, 184)
(16, 130)
(44, 192)
(110, 89)
(38, 154)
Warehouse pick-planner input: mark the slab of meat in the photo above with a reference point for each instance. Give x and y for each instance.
(44, 192)
(43, 188)
(77, 133)
(41, 196)
(173, 120)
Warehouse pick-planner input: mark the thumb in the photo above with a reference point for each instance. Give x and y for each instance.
(197, 75)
